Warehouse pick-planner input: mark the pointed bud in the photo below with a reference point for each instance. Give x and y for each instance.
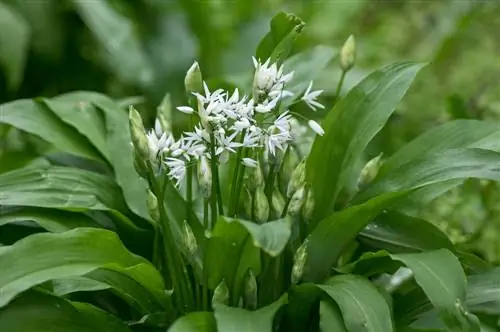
(370, 171)
(193, 82)
(278, 202)
(247, 202)
(139, 164)
(261, 205)
(253, 178)
(138, 134)
(308, 208)
(221, 294)
(298, 178)
(164, 113)
(296, 202)
(204, 177)
(250, 291)
(299, 262)
(348, 54)
(152, 201)
(316, 127)
(189, 239)
(290, 161)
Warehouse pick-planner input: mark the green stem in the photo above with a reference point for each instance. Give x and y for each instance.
(339, 84)
(269, 186)
(213, 192)
(205, 214)
(239, 184)
(285, 208)
(233, 202)
(189, 193)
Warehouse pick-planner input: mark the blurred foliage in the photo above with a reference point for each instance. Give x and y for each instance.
(143, 48)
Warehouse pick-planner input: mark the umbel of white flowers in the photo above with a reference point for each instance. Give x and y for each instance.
(231, 121)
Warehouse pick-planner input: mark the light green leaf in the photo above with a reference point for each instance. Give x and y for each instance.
(116, 36)
(14, 44)
(69, 254)
(38, 312)
(195, 322)
(30, 117)
(278, 43)
(52, 220)
(236, 319)
(483, 292)
(62, 287)
(444, 166)
(349, 127)
(363, 308)
(397, 232)
(330, 318)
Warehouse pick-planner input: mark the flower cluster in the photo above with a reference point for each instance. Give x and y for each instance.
(230, 121)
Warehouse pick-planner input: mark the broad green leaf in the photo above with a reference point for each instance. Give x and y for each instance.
(83, 117)
(444, 166)
(333, 234)
(349, 127)
(41, 312)
(443, 280)
(301, 312)
(69, 254)
(118, 40)
(31, 117)
(451, 135)
(363, 308)
(241, 320)
(52, 220)
(62, 287)
(483, 292)
(195, 322)
(397, 232)
(278, 42)
(14, 45)
(370, 264)
(330, 318)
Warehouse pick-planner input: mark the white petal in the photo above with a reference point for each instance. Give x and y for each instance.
(185, 109)
(249, 162)
(158, 129)
(316, 127)
(255, 62)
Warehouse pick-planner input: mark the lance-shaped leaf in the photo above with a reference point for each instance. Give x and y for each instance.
(195, 322)
(350, 126)
(35, 311)
(41, 257)
(483, 292)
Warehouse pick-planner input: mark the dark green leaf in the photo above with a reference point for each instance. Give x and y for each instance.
(69, 254)
(349, 127)
(41, 312)
(236, 319)
(330, 318)
(278, 43)
(14, 43)
(363, 308)
(195, 322)
(483, 292)
(30, 117)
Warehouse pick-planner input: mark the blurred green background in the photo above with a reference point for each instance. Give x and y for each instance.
(143, 48)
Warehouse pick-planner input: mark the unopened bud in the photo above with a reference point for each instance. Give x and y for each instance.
(299, 262)
(308, 208)
(193, 82)
(221, 294)
(290, 161)
(152, 201)
(370, 171)
(261, 205)
(247, 202)
(204, 177)
(138, 134)
(164, 113)
(348, 54)
(250, 291)
(298, 178)
(253, 178)
(296, 202)
(189, 239)
(139, 164)
(278, 202)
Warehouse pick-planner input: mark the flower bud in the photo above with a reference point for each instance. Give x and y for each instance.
(299, 262)
(164, 114)
(247, 202)
(204, 177)
(348, 54)
(193, 82)
(298, 178)
(316, 127)
(296, 202)
(308, 208)
(277, 202)
(153, 210)
(221, 294)
(290, 161)
(138, 134)
(253, 178)
(261, 205)
(250, 291)
(139, 164)
(189, 239)
(369, 172)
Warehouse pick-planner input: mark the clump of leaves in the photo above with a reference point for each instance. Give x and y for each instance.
(246, 222)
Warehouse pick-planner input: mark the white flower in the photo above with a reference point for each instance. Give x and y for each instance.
(316, 127)
(310, 98)
(249, 162)
(185, 109)
(267, 106)
(268, 78)
(241, 125)
(158, 129)
(177, 169)
(252, 137)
